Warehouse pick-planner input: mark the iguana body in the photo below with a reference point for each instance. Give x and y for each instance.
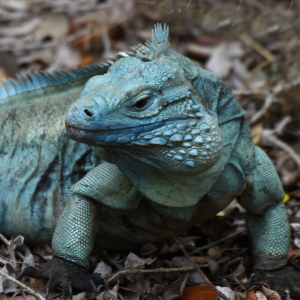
(39, 162)
(177, 149)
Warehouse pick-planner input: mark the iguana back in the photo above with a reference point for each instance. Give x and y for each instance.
(38, 161)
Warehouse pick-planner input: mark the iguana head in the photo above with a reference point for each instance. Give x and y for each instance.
(146, 106)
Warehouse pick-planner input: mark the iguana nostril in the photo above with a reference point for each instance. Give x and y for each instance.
(88, 112)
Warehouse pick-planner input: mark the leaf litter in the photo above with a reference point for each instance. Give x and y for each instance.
(254, 47)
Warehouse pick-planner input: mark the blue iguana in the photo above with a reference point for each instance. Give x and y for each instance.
(175, 149)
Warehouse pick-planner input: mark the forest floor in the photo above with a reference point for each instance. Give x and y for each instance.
(254, 46)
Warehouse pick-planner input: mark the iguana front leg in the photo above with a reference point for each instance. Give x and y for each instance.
(267, 225)
(266, 218)
(74, 235)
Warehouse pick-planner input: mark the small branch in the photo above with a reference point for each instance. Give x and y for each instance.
(258, 47)
(168, 270)
(249, 93)
(271, 138)
(222, 240)
(4, 240)
(12, 252)
(280, 88)
(219, 293)
(160, 270)
(280, 126)
(29, 290)
(268, 102)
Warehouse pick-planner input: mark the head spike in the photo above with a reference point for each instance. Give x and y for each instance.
(29, 85)
(78, 73)
(10, 89)
(61, 77)
(16, 86)
(71, 77)
(22, 83)
(41, 79)
(54, 79)
(35, 82)
(160, 44)
(3, 93)
(49, 80)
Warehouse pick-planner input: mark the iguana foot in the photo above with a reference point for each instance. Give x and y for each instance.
(68, 275)
(281, 280)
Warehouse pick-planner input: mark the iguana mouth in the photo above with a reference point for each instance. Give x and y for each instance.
(116, 131)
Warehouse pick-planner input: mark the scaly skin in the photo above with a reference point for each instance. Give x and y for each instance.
(177, 149)
(39, 163)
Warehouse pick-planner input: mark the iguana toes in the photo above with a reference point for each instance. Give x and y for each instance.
(177, 150)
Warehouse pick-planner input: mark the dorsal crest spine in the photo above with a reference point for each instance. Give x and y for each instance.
(38, 80)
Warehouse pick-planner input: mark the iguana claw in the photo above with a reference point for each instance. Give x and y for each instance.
(68, 275)
(93, 286)
(70, 291)
(281, 280)
(47, 290)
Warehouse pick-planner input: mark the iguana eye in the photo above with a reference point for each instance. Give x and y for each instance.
(142, 103)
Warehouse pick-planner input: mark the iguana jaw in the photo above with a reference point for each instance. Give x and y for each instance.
(115, 134)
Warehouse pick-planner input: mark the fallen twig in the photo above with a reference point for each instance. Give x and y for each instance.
(160, 270)
(271, 138)
(4, 240)
(226, 238)
(286, 86)
(12, 252)
(169, 270)
(219, 293)
(29, 290)
(257, 47)
(278, 89)
(268, 102)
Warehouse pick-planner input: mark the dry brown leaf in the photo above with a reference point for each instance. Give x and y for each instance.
(214, 253)
(103, 268)
(3, 75)
(108, 296)
(199, 291)
(220, 61)
(28, 260)
(295, 253)
(148, 249)
(179, 262)
(127, 294)
(139, 286)
(85, 60)
(38, 284)
(296, 230)
(226, 291)
(7, 286)
(134, 262)
(295, 193)
(196, 278)
(175, 290)
(260, 295)
(27, 297)
(257, 133)
(79, 296)
(158, 289)
(198, 51)
(198, 259)
(250, 294)
(271, 294)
